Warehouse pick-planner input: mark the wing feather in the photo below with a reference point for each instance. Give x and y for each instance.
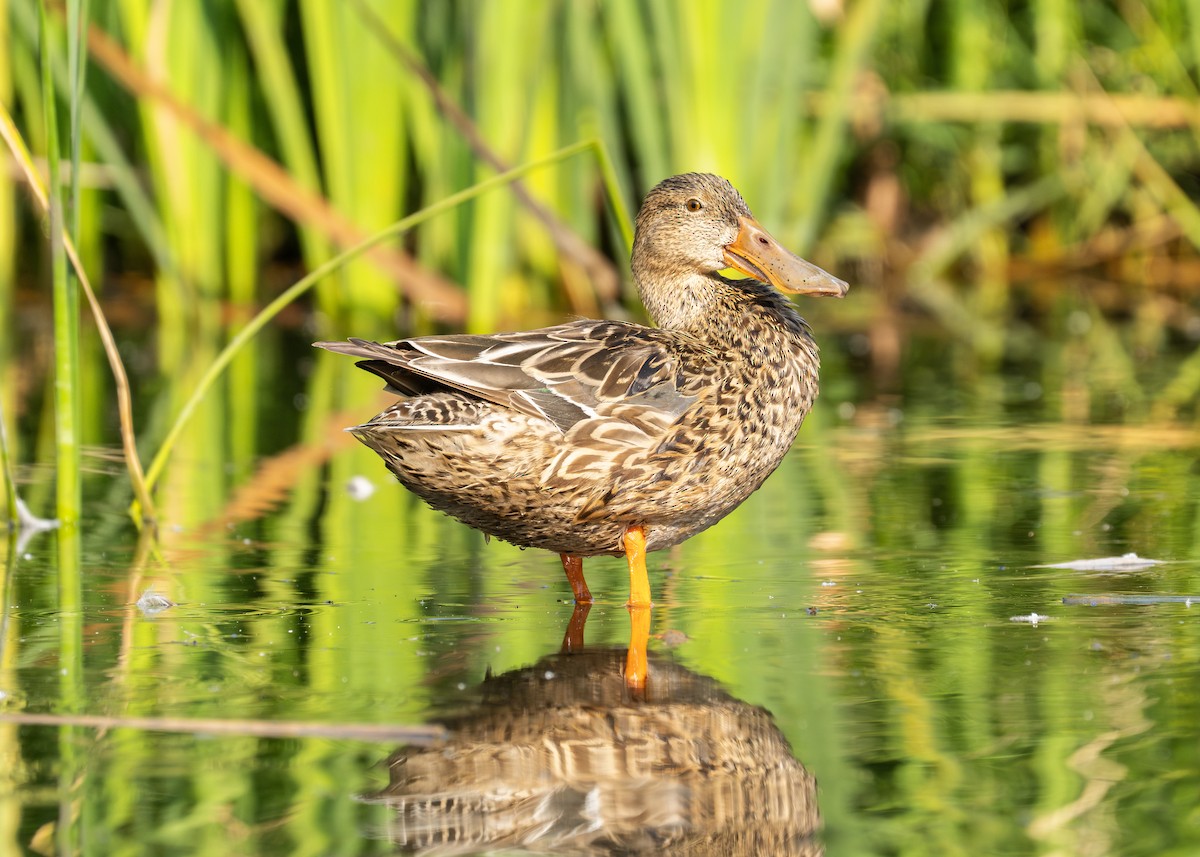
(564, 374)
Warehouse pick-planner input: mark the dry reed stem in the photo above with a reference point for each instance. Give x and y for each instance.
(419, 735)
(1018, 106)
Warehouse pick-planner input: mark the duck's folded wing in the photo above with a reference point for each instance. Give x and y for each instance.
(565, 374)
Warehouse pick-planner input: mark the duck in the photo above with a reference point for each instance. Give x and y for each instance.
(599, 437)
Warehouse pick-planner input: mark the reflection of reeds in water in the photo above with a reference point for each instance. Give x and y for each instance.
(1051, 153)
(561, 758)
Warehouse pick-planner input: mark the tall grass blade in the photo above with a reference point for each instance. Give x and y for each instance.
(364, 174)
(6, 473)
(8, 220)
(612, 189)
(241, 242)
(69, 495)
(77, 73)
(263, 22)
(68, 401)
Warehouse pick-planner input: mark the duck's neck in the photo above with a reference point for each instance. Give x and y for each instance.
(708, 306)
(681, 300)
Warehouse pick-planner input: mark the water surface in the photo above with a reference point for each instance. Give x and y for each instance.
(887, 597)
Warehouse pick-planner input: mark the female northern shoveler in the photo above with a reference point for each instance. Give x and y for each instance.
(605, 437)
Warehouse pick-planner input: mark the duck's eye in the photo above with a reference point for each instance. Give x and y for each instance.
(694, 204)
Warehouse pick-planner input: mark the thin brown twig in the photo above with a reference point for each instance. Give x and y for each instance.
(421, 735)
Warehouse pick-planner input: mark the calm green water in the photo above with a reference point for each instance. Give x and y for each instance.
(865, 597)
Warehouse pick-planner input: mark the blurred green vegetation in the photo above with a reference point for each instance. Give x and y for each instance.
(913, 137)
(935, 154)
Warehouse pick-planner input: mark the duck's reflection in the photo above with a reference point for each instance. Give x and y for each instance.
(563, 758)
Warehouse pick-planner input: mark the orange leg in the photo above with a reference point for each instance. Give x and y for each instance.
(639, 581)
(636, 666)
(573, 639)
(573, 566)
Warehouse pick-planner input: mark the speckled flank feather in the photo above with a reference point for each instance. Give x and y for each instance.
(564, 437)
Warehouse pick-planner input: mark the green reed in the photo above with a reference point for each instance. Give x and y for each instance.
(263, 24)
(67, 409)
(7, 206)
(363, 175)
(66, 307)
(6, 473)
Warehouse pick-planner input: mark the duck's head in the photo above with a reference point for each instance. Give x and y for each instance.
(694, 225)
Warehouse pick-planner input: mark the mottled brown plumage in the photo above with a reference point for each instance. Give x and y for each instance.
(565, 438)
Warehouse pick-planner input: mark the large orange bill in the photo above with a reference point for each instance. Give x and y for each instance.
(757, 254)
